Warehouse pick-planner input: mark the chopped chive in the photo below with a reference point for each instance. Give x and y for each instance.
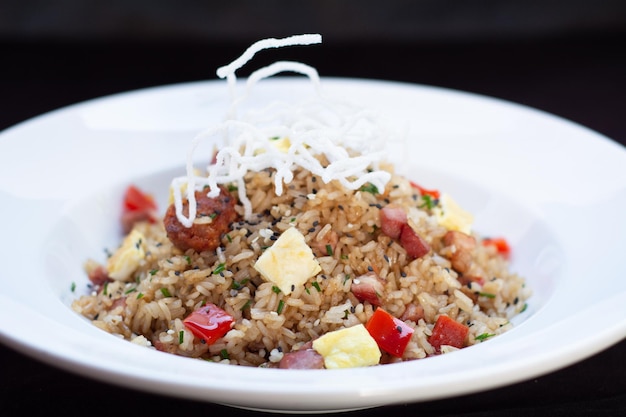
(181, 337)
(224, 354)
(344, 257)
(230, 239)
(329, 250)
(317, 286)
(239, 285)
(213, 215)
(369, 188)
(307, 290)
(165, 292)
(106, 287)
(428, 202)
(487, 294)
(346, 313)
(153, 271)
(73, 287)
(130, 290)
(188, 259)
(281, 306)
(484, 336)
(275, 289)
(220, 268)
(246, 305)
(232, 187)
(140, 295)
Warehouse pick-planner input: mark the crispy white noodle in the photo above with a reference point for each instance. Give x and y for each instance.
(317, 126)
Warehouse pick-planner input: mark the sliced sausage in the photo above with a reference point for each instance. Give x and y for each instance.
(213, 219)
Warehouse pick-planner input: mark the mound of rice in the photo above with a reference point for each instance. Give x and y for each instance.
(169, 284)
(335, 202)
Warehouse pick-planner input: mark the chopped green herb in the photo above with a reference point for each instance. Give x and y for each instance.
(524, 308)
(275, 289)
(281, 306)
(165, 292)
(181, 337)
(73, 287)
(329, 250)
(484, 336)
(213, 215)
(188, 259)
(130, 290)
(246, 305)
(344, 257)
(346, 313)
(346, 278)
(428, 202)
(317, 286)
(230, 239)
(232, 187)
(487, 294)
(369, 188)
(239, 285)
(140, 295)
(105, 288)
(224, 354)
(307, 290)
(220, 268)
(293, 219)
(153, 271)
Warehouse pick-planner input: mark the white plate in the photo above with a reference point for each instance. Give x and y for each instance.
(555, 189)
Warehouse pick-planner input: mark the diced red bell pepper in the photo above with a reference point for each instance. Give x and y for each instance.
(501, 245)
(137, 200)
(209, 323)
(448, 332)
(423, 191)
(391, 334)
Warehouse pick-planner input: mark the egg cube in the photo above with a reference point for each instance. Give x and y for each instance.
(128, 257)
(451, 216)
(348, 348)
(289, 262)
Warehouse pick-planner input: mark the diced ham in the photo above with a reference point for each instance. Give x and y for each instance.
(129, 218)
(415, 246)
(302, 359)
(368, 287)
(392, 218)
(460, 240)
(413, 312)
(326, 245)
(461, 258)
(99, 276)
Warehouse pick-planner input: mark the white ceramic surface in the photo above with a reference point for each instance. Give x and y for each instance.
(555, 189)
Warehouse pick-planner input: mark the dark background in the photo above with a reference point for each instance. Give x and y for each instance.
(564, 57)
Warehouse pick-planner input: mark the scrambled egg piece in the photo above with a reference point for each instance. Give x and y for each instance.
(348, 348)
(451, 216)
(282, 144)
(127, 258)
(289, 262)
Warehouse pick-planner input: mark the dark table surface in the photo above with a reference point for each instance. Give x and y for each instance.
(582, 79)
